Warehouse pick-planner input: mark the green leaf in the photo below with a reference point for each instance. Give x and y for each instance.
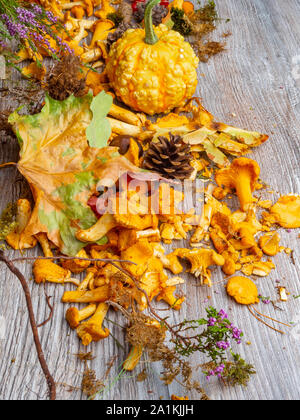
(99, 131)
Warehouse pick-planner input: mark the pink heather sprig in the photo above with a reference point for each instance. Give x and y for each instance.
(215, 372)
(14, 28)
(265, 300)
(31, 24)
(214, 341)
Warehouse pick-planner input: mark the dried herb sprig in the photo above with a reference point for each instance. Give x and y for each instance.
(203, 22)
(90, 385)
(143, 332)
(214, 340)
(238, 372)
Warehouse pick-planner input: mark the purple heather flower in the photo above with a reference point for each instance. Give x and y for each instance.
(216, 372)
(13, 27)
(236, 333)
(222, 314)
(211, 322)
(37, 10)
(50, 16)
(265, 301)
(26, 16)
(219, 369)
(223, 345)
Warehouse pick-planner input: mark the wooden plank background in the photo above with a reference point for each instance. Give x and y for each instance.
(254, 85)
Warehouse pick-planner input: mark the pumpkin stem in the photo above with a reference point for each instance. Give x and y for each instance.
(150, 36)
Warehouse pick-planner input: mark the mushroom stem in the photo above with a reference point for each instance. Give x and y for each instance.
(92, 329)
(133, 358)
(101, 294)
(243, 189)
(120, 127)
(148, 233)
(97, 231)
(43, 241)
(70, 5)
(85, 283)
(124, 115)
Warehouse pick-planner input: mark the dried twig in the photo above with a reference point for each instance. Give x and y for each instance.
(61, 257)
(40, 354)
(51, 307)
(171, 329)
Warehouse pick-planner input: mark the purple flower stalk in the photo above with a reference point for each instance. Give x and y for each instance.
(50, 16)
(37, 10)
(13, 27)
(26, 16)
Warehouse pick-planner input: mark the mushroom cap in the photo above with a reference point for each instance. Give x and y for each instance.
(72, 316)
(249, 164)
(287, 211)
(269, 243)
(227, 176)
(77, 266)
(243, 290)
(200, 257)
(46, 270)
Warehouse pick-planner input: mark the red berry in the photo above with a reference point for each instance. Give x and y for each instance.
(164, 3)
(134, 6)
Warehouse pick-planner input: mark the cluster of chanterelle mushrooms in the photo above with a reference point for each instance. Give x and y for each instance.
(233, 240)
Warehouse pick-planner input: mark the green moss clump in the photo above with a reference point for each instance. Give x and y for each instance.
(8, 220)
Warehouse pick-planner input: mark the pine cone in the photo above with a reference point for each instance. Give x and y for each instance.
(118, 33)
(158, 14)
(170, 158)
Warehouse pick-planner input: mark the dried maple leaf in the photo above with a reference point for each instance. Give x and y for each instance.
(62, 169)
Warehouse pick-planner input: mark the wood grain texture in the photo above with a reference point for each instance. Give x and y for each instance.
(255, 81)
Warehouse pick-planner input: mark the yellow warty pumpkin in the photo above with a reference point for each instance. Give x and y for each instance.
(152, 70)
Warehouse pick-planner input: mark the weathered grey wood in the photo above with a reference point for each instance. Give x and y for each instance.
(254, 81)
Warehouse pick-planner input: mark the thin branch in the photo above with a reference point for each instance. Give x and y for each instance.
(40, 354)
(263, 322)
(61, 257)
(51, 307)
(272, 319)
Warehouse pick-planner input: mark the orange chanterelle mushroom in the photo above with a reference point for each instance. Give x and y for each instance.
(287, 211)
(243, 290)
(242, 176)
